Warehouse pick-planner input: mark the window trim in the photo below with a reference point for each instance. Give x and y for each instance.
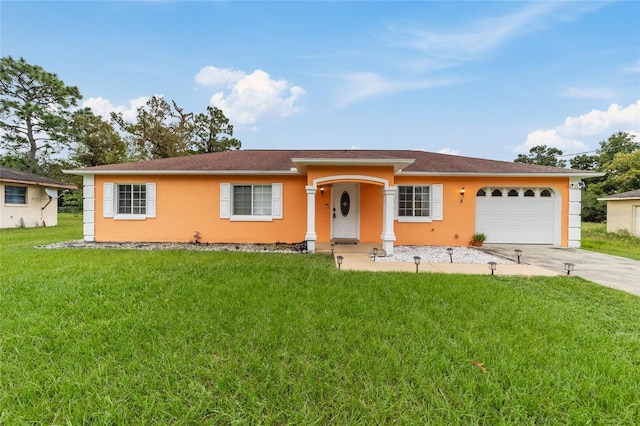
(128, 216)
(26, 195)
(253, 202)
(226, 203)
(415, 219)
(110, 201)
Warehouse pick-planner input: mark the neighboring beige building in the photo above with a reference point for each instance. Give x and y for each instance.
(623, 212)
(28, 200)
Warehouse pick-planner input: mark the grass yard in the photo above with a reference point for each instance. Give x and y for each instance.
(596, 238)
(185, 337)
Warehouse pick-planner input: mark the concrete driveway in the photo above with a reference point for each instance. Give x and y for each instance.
(611, 271)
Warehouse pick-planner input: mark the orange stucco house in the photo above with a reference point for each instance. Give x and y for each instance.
(389, 197)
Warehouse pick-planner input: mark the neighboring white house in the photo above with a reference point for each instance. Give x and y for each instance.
(623, 212)
(29, 200)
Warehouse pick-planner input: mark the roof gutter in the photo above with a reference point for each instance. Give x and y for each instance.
(42, 184)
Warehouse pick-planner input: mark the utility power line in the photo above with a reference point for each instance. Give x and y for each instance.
(577, 153)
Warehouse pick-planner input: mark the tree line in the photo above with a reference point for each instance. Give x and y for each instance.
(44, 131)
(618, 158)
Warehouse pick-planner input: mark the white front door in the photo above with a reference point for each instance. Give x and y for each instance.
(345, 211)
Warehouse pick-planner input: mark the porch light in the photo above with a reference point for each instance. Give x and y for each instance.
(492, 266)
(339, 258)
(568, 267)
(518, 254)
(322, 191)
(333, 247)
(375, 253)
(450, 251)
(462, 194)
(416, 260)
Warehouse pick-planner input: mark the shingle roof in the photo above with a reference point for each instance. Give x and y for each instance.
(281, 161)
(15, 176)
(622, 196)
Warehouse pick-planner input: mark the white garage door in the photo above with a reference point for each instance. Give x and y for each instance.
(516, 215)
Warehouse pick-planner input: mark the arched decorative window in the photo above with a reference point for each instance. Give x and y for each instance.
(545, 193)
(529, 193)
(513, 193)
(481, 193)
(496, 193)
(345, 204)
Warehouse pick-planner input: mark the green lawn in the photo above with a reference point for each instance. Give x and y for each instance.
(596, 238)
(186, 337)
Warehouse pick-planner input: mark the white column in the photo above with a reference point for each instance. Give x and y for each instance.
(388, 236)
(311, 236)
(89, 208)
(575, 211)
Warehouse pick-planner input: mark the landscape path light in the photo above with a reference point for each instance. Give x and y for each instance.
(568, 267)
(518, 254)
(375, 253)
(450, 251)
(492, 266)
(340, 259)
(333, 247)
(416, 260)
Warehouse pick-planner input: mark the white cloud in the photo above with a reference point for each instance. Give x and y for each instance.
(218, 77)
(633, 68)
(551, 138)
(251, 96)
(472, 41)
(362, 85)
(570, 135)
(448, 151)
(104, 107)
(602, 93)
(483, 35)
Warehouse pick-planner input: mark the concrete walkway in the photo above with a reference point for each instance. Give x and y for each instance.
(611, 271)
(357, 258)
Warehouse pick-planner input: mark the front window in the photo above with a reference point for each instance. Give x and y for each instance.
(252, 200)
(15, 195)
(132, 199)
(414, 201)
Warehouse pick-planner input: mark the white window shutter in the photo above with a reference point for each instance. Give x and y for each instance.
(436, 202)
(276, 198)
(225, 200)
(107, 200)
(151, 200)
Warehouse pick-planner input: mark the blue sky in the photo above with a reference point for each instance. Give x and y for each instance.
(480, 79)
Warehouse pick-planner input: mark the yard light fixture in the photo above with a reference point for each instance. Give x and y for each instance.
(375, 253)
(416, 260)
(518, 254)
(568, 267)
(492, 266)
(450, 251)
(340, 259)
(333, 247)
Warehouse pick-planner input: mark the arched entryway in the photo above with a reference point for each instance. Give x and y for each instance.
(346, 208)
